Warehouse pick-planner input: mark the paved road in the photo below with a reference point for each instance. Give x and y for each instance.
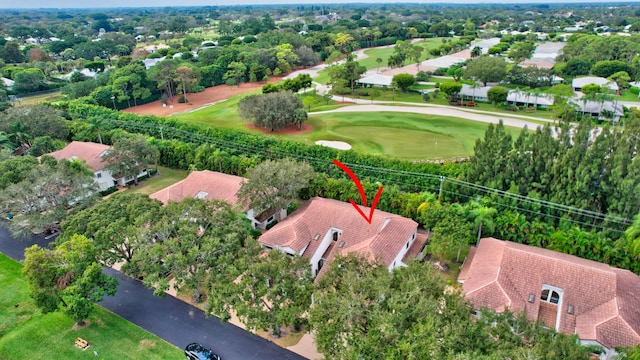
(169, 318)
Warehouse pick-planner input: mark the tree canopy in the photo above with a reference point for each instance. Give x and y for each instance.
(486, 69)
(273, 110)
(273, 184)
(68, 278)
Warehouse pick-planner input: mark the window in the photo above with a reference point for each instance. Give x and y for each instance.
(99, 175)
(550, 296)
(335, 236)
(408, 244)
(270, 219)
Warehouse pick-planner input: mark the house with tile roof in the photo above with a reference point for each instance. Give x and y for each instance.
(322, 228)
(597, 302)
(209, 185)
(92, 154)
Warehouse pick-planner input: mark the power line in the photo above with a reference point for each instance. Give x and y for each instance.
(373, 172)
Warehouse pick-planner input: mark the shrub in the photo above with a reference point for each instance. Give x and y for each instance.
(362, 92)
(108, 191)
(634, 90)
(422, 76)
(181, 99)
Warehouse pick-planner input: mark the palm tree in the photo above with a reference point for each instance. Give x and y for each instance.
(476, 51)
(379, 61)
(483, 216)
(95, 125)
(632, 235)
(5, 141)
(19, 134)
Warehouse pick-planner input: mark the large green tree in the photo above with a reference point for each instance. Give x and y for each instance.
(46, 193)
(273, 110)
(404, 81)
(37, 120)
(68, 278)
(349, 72)
(195, 239)
(119, 227)
(130, 156)
(273, 291)
(486, 69)
(274, 184)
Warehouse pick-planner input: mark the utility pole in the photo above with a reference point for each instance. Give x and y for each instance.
(440, 191)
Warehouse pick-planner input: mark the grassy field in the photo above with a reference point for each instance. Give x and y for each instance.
(401, 135)
(167, 177)
(25, 333)
(384, 53)
(49, 97)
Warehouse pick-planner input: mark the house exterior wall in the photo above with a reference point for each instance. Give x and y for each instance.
(104, 179)
(397, 262)
(324, 245)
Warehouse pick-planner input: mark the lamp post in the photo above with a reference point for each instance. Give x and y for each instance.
(113, 99)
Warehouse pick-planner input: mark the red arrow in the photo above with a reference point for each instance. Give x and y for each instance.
(362, 194)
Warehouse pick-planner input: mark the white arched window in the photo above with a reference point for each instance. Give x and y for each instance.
(551, 294)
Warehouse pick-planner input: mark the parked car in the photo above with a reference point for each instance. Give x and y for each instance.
(195, 351)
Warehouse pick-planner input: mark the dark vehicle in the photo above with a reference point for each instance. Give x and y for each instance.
(195, 351)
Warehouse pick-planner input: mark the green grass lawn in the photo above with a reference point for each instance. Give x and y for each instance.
(401, 135)
(384, 53)
(224, 114)
(25, 333)
(48, 97)
(627, 95)
(167, 177)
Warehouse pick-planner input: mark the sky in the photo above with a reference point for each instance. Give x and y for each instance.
(8, 4)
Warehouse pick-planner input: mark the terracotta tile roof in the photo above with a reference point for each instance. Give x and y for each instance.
(605, 299)
(87, 151)
(416, 247)
(382, 239)
(203, 184)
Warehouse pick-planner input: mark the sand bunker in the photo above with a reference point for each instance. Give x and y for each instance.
(340, 145)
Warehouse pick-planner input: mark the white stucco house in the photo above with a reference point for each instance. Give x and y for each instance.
(209, 185)
(322, 228)
(92, 153)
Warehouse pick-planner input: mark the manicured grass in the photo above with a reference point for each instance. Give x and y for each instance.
(25, 333)
(223, 114)
(52, 336)
(17, 307)
(384, 53)
(48, 97)
(628, 96)
(167, 177)
(401, 135)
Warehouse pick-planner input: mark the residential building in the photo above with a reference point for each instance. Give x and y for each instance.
(322, 228)
(476, 93)
(92, 154)
(601, 110)
(521, 98)
(572, 295)
(209, 185)
(578, 83)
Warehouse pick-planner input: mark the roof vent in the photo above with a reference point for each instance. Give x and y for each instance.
(386, 221)
(341, 245)
(201, 195)
(316, 237)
